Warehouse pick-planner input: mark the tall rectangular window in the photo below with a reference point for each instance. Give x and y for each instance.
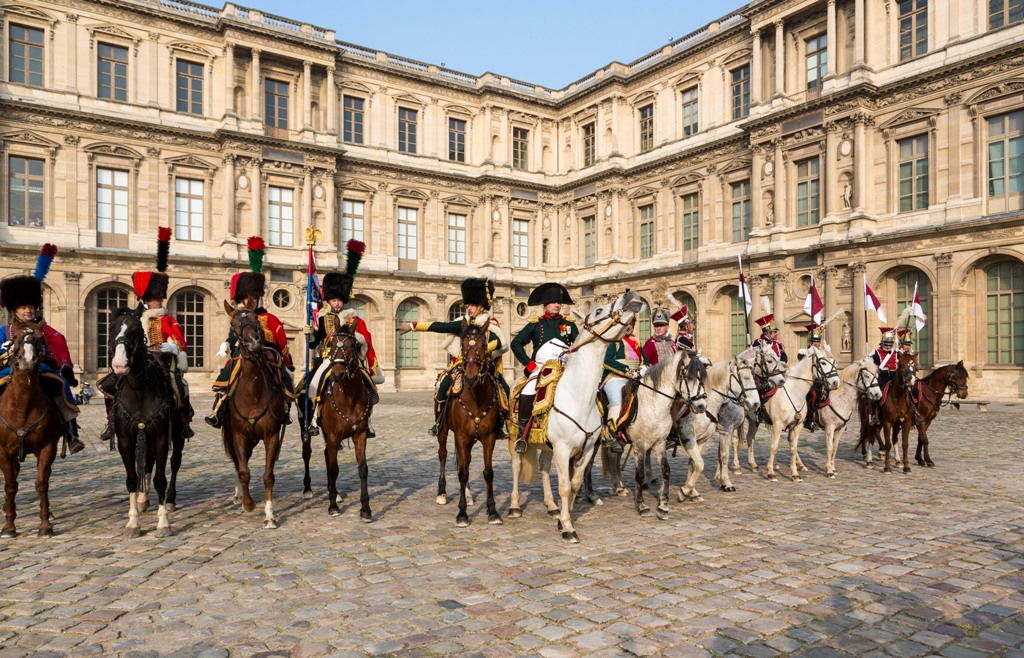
(409, 343)
(25, 178)
(456, 140)
(808, 192)
(275, 96)
(647, 231)
(112, 72)
(190, 87)
(1006, 161)
(691, 122)
(740, 211)
(188, 209)
(646, 128)
(738, 324)
(351, 221)
(589, 240)
(1004, 12)
(520, 145)
(913, 167)
(913, 28)
(112, 207)
(280, 215)
(407, 130)
(817, 63)
(739, 83)
(406, 238)
(589, 144)
(352, 128)
(691, 221)
(189, 310)
(26, 56)
(456, 239)
(1004, 302)
(520, 243)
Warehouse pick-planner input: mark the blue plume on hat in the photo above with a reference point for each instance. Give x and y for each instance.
(45, 259)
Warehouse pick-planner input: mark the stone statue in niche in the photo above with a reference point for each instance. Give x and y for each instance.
(769, 210)
(847, 195)
(847, 339)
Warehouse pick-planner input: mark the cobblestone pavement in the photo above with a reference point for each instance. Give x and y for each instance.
(868, 564)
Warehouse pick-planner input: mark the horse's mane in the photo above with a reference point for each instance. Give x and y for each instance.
(718, 374)
(694, 370)
(850, 372)
(657, 371)
(118, 312)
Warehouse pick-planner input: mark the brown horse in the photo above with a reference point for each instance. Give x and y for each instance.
(28, 423)
(345, 410)
(945, 380)
(473, 414)
(896, 410)
(256, 408)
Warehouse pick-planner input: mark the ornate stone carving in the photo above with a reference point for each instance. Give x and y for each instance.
(441, 297)
(943, 259)
(858, 267)
(389, 294)
(72, 277)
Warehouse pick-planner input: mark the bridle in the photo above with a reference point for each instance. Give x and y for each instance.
(476, 338)
(739, 396)
(613, 320)
(345, 343)
(132, 343)
(244, 318)
(28, 335)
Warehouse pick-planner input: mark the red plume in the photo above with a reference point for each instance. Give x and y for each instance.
(163, 233)
(256, 243)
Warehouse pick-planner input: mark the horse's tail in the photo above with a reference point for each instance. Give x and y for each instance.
(140, 460)
(609, 464)
(229, 444)
(528, 465)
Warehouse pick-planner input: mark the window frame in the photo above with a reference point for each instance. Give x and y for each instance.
(1005, 12)
(911, 23)
(739, 90)
(349, 132)
(273, 127)
(745, 204)
(28, 178)
(687, 103)
(647, 229)
(100, 58)
(645, 126)
(457, 139)
(194, 331)
(1007, 201)
(800, 181)
(115, 239)
(408, 256)
(816, 63)
(914, 160)
(588, 231)
(178, 61)
(407, 129)
(202, 213)
(520, 148)
(456, 224)
(588, 139)
(293, 219)
(520, 243)
(29, 46)
(1014, 307)
(407, 353)
(354, 232)
(690, 220)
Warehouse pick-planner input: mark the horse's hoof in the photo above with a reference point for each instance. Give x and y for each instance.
(270, 524)
(729, 489)
(515, 513)
(45, 532)
(462, 521)
(906, 469)
(622, 493)
(306, 495)
(869, 465)
(334, 511)
(571, 537)
(441, 499)
(930, 464)
(663, 514)
(8, 533)
(597, 501)
(737, 471)
(773, 478)
(132, 533)
(170, 507)
(797, 478)
(644, 512)
(887, 470)
(365, 516)
(494, 519)
(830, 475)
(554, 512)
(163, 532)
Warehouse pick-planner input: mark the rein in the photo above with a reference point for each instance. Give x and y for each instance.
(467, 358)
(351, 370)
(615, 317)
(22, 432)
(257, 360)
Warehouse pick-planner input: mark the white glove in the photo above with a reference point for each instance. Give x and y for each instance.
(308, 330)
(378, 376)
(643, 370)
(225, 350)
(182, 362)
(5, 346)
(168, 348)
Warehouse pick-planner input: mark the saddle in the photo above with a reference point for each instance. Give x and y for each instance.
(627, 413)
(274, 359)
(547, 382)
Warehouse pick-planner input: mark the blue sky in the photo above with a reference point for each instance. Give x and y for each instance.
(550, 43)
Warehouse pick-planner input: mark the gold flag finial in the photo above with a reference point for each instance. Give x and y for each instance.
(312, 235)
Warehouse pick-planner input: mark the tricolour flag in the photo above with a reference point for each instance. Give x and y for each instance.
(314, 295)
(918, 312)
(813, 305)
(871, 303)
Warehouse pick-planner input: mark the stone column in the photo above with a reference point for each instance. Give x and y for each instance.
(256, 96)
(859, 34)
(330, 226)
(830, 278)
(488, 142)
(71, 83)
(74, 318)
(307, 95)
(332, 103)
(861, 154)
(942, 321)
(505, 137)
(781, 209)
(229, 198)
(756, 163)
(955, 125)
(755, 70)
(831, 182)
(830, 39)
(780, 59)
(779, 282)
(256, 186)
(307, 201)
(858, 326)
(229, 80)
(386, 345)
(598, 130)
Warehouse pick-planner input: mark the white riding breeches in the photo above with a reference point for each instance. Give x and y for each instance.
(553, 349)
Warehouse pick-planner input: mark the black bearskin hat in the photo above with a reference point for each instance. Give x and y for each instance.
(478, 292)
(18, 291)
(248, 284)
(337, 286)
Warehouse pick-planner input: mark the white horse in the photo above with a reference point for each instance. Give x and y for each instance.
(677, 379)
(732, 393)
(787, 407)
(858, 379)
(574, 422)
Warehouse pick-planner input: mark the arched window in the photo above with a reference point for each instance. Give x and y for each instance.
(107, 301)
(905, 297)
(408, 344)
(738, 323)
(189, 309)
(456, 311)
(1004, 300)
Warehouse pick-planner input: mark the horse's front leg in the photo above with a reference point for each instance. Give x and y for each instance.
(307, 481)
(144, 486)
(831, 447)
(11, 467)
(163, 523)
(177, 448)
(514, 510)
(359, 443)
(661, 454)
(905, 442)
(561, 457)
(488, 445)
(442, 458)
(751, 434)
(794, 458)
(722, 474)
(773, 449)
(544, 458)
(463, 454)
(886, 446)
(272, 445)
(688, 492)
(331, 442)
(639, 468)
(44, 467)
(576, 470)
(922, 446)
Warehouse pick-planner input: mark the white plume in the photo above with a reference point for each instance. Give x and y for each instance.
(839, 313)
(676, 304)
(907, 312)
(766, 305)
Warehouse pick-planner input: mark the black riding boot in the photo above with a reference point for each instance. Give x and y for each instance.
(216, 417)
(71, 436)
(809, 421)
(438, 410)
(525, 414)
(107, 436)
(187, 413)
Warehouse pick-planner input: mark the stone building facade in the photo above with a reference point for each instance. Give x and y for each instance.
(852, 141)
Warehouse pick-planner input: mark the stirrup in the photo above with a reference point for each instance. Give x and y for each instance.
(433, 430)
(213, 420)
(520, 445)
(313, 430)
(75, 444)
(187, 432)
(918, 420)
(108, 433)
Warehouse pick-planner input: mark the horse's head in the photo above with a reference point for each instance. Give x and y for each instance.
(867, 379)
(906, 370)
(28, 344)
(475, 359)
(742, 386)
(768, 365)
(127, 345)
(957, 379)
(608, 323)
(690, 378)
(247, 328)
(824, 367)
(347, 349)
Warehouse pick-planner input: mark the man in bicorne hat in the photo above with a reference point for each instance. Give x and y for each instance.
(770, 337)
(548, 336)
(477, 295)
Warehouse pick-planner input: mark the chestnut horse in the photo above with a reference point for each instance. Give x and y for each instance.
(896, 410)
(345, 410)
(28, 423)
(256, 408)
(473, 414)
(945, 380)
(144, 422)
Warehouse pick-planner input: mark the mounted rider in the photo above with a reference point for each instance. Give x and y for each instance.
(247, 288)
(661, 344)
(337, 291)
(885, 357)
(477, 295)
(818, 393)
(770, 337)
(906, 346)
(166, 340)
(549, 335)
(624, 361)
(23, 297)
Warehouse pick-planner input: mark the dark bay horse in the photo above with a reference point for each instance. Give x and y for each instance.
(256, 410)
(473, 415)
(896, 410)
(144, 422)
(945, 380)
(345, 410)
(30, 424)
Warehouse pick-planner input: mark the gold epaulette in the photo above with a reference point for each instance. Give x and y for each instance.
(569, 318)
(536, 319)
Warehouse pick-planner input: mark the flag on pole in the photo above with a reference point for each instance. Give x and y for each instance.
(918, 312)
(813, 305)
(314, 293)
(745, 293)
(871, 303)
